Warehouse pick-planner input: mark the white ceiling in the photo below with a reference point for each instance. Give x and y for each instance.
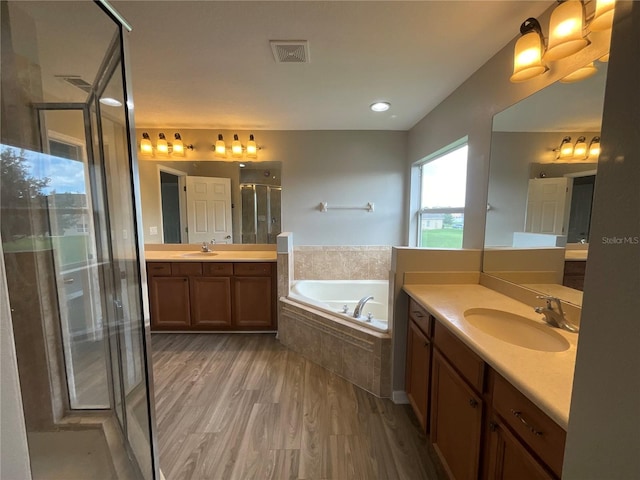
(208, 64)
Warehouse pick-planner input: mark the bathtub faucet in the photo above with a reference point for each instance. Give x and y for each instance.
(358, 310)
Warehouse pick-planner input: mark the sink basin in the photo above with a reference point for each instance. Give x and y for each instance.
(198, 254)
(516, 330)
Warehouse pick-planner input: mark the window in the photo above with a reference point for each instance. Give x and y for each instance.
(443, 182)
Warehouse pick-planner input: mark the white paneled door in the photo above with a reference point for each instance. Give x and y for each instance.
(209, 209)
(548, 203)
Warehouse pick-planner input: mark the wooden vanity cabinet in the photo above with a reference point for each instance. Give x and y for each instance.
(481, 426)
(457, 381)
(253, 294)
(206, 296)
(418, 364)
(574, 271)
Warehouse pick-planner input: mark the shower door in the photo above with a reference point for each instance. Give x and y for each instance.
(69, 224)
(261, 212)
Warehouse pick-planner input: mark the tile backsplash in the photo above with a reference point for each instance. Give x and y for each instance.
(342, 262)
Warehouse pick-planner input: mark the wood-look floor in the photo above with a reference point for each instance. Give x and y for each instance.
(232, 406)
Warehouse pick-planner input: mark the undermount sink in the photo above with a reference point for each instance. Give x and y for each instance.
(517, 330)
(198, 254)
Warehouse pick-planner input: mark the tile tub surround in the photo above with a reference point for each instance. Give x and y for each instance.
(357, 354)
(355, 262)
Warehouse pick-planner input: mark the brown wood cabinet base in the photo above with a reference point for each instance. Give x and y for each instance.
(212, 296)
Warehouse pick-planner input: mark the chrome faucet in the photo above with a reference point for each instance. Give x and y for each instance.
(358, 310)
(207, 247)
(555, 318)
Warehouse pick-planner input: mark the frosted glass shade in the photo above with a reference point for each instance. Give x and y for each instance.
(145, 145)
(566, 30)
(566, 148)
(252, 148)
(527, 58)
(162, 147)
(236, 147)
(178, 147)
(594, 147)
(587, 71)
(603, 18)
(221, 148)
(580, 150)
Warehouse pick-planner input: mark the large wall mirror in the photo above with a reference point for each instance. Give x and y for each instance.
(539, 200)
(203, 201)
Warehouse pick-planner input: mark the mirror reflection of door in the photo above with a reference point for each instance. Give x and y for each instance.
(581, 202)
(209, 209)
(170, 194)
(547, 205)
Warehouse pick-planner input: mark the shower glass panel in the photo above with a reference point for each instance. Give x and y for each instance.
(261, 212)
(70, 239)
(69, 206)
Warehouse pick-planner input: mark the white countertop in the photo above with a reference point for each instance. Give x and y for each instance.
(545, 378)
(215, 256)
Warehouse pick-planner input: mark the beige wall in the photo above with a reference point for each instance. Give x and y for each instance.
(469, 111)
(347, 168)
(603, 439)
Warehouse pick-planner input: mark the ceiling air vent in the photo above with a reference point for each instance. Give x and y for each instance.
(76, 81)
(290, 51)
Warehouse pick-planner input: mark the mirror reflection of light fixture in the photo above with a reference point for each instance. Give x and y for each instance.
(603, 18)
(583, 72)
(252, 148)
(566, 30)
(565, 150)
(179, 146)
(580, 148)
(236, 147)
(528, 51)
(145, 144)
(221, 148)
(594, 147)
(162, 147)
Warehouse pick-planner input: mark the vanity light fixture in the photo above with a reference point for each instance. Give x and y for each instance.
(145, 144)
(565, 150)
(162, 147)
(586, 71)
(380, 106)
(236, 147)
(220, 147)
(179, 146)
(580, 148)
(252, 148)
(594, 147)
(603, 17)
(527, 55)
(566, 30)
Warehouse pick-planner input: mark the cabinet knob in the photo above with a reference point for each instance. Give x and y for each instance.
(493, 426)
(418, 314)
(473, 403)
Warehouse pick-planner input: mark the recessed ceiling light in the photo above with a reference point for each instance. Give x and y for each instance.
(380, 106)
(242, 165)
(111, 102)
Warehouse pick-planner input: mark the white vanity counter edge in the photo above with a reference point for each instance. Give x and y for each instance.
(545, 378)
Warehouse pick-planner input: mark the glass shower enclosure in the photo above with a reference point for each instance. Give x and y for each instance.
(70, 239)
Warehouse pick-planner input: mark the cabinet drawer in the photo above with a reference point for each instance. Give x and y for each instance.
(252, 269)
(185, 268)
(468, 364)
(157, 268)
(532, 425)
(422, 318)
(217, 269)
(574, 267)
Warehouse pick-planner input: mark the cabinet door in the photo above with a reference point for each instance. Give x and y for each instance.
(456, 418)
(210, 302)
(252, 302)
(418, 372)
(169, 303)
(509, 459)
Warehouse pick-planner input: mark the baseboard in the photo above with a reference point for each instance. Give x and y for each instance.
(399, 397)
